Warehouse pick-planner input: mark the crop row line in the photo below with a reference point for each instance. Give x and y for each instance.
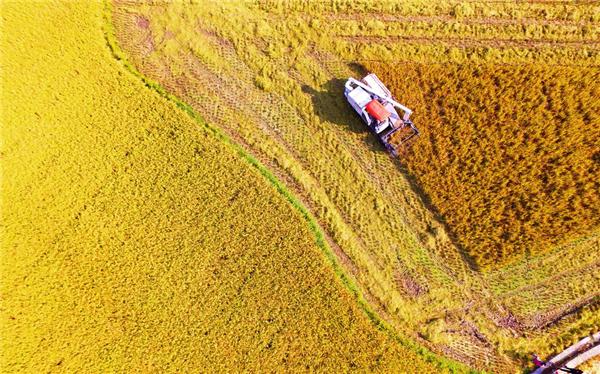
(332, 17)
(470, 42)
(450, 29)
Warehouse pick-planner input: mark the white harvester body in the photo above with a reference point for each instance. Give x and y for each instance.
(375, 105)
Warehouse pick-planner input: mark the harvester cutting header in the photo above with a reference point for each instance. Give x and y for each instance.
(376, 107)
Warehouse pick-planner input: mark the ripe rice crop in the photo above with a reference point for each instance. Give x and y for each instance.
(134, 238)
(508, 154)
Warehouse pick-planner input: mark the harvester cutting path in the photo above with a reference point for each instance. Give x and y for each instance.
(375, 105)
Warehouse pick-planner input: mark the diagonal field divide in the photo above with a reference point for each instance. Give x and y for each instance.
(347, 282)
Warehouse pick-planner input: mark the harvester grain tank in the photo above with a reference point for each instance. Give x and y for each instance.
(375, 105)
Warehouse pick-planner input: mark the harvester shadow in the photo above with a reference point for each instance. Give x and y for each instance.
(330, 105)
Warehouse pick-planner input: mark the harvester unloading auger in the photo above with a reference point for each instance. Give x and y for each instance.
(374, 104)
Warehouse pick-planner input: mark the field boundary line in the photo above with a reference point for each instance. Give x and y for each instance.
(120, 57)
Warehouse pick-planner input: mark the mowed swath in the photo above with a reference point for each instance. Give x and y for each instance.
(274, 83)
(134, 239)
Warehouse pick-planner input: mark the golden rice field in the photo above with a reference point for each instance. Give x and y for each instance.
(513, 147)
(137, 238)
(481, 242)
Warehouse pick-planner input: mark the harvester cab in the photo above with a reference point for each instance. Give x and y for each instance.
(376, 107)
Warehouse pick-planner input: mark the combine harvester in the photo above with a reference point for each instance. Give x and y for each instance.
(374, 104)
